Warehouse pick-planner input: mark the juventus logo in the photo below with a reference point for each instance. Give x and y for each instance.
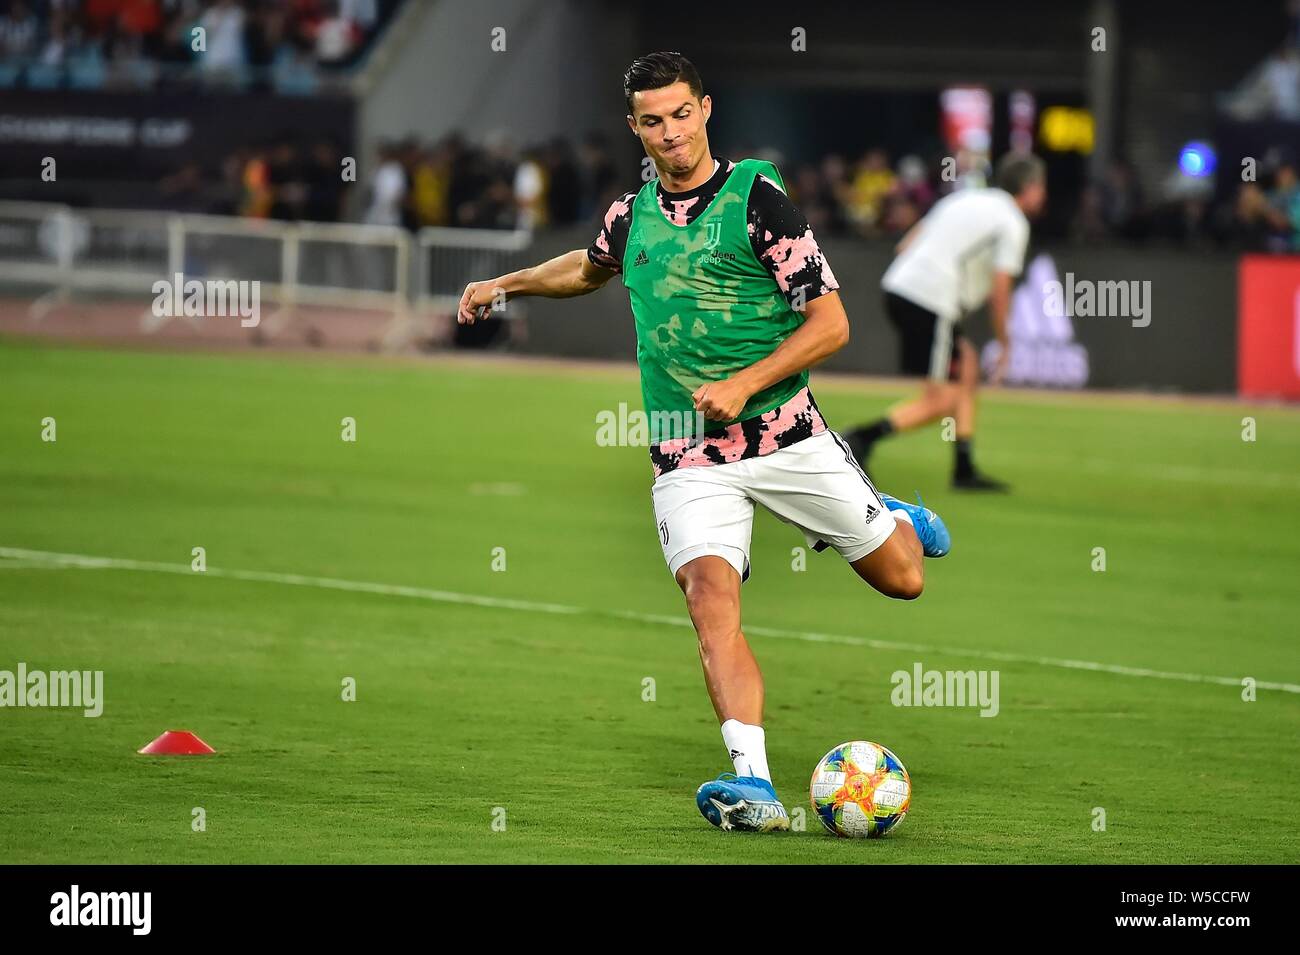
(713, 233)
(663, 532)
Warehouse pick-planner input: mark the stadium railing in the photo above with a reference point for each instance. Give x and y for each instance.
(65, 251)
(449, 259)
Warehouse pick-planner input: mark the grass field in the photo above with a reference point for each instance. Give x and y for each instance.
(536, 706)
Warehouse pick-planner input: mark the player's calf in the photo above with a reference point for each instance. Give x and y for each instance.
(731, 674)
(895, 568)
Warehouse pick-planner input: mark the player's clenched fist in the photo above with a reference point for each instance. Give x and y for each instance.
(721, 400)
(477, 301)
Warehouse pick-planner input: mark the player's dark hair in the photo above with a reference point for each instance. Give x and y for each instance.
(1017, 170)
(657, 70)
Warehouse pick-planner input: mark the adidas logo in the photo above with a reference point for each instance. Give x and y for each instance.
(641, 258)
(735, 753)
(872, 513)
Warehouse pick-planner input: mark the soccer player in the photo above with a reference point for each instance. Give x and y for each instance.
(733, 301)
(968, 249)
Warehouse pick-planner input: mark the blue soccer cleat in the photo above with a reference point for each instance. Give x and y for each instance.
(929, 526)
(742, 804)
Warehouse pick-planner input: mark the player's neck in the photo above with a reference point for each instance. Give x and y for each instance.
(698, 176)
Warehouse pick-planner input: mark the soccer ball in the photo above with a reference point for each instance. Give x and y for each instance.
(860, 790)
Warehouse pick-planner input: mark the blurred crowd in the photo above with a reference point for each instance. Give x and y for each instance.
(1266, 215)
(871, 197)
(1262, 215)
(285, 45)
(867, 196)
(496, 185)
(289, 46)
(453, 183)
(287, 179)
(492, 185)
(408, 183)
(1272, 90)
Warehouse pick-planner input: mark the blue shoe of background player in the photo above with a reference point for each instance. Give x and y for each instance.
(930, 528)
(742, 804)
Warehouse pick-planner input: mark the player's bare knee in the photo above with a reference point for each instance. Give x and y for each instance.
(705, 594)
(715, 633)
(708, 593)
(719, 640)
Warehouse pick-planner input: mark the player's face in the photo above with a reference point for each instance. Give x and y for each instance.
(670, 124)
(1033, 198)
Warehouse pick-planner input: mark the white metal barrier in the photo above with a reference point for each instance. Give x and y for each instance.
(344, 265)
(449, 259)
(303, 263)
(64, 250)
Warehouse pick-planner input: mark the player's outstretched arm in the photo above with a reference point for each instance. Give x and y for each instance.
(564, 276)
(825, 331)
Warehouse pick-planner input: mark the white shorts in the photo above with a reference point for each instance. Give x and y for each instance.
(815, 484)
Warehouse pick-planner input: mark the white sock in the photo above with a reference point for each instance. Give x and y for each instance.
(748, 749)
(903, 516)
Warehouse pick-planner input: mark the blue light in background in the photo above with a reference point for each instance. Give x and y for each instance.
(1197, 159)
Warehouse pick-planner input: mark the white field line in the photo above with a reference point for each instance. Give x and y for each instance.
(1229, 477)
(54, 561)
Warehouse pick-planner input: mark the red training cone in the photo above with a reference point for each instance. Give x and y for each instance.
(177, 743)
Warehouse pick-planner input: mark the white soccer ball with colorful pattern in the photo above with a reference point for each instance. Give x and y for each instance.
(860, 790)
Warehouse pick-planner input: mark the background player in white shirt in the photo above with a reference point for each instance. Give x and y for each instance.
(967, 250)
